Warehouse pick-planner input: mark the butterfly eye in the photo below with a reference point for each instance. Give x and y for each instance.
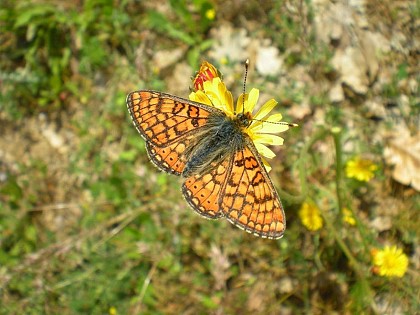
(244, 120)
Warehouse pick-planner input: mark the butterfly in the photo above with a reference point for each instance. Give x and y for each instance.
(224, 175)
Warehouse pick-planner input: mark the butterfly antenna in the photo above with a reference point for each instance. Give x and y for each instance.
(243, 95)
(243, 102)
(278, 122)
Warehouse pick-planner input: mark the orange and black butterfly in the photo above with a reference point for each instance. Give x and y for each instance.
(224, 173)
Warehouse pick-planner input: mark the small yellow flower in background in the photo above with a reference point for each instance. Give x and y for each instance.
(155, 70)
(360, 169)
(348, 217)
(112, 311)
(310, 215)
(210, 14)
(224, 61)
(336, 129)
(389, 262)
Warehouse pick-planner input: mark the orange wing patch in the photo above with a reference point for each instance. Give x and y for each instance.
(162, 118)
(250, 200)
(202, 191)
(170, 159)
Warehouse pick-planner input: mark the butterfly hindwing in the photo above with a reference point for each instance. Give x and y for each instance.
(202, 191)
(240, 189)
(249, 199)
(171, 158)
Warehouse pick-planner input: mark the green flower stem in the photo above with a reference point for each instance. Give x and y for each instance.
(336, 133)
(317, 256)
(354, 264)
(366, 237)
(331, 227)
(303, 157)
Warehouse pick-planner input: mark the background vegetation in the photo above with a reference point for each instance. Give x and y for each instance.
(89, 226)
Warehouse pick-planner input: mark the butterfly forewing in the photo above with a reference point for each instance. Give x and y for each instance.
(163, 119)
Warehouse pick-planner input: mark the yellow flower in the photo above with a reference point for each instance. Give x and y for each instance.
(206, 73)
(348, 217)
(224, 61)
(210, 14)
(310, 215)
(361, 169)
(390, 261)
(112, 310)
(214, 93)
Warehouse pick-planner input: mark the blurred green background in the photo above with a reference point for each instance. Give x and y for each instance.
(89, 226)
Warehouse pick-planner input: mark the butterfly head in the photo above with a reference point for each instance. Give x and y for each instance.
(244, 120)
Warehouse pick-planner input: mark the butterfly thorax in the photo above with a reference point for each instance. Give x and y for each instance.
(219, 139)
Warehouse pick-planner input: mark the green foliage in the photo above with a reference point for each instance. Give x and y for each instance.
(46, 40)
(189, 25)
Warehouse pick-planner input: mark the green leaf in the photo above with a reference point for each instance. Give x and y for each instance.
(32, 13)
(129, 155)
(160, 23)
(360, 293)
(12, 190)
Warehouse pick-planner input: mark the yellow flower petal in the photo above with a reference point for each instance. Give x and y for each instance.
(214, 93)
(252, 100)
(266, 127)
(200, 97)
(229, 102)
(266, 164)
(268, 139)
(263, 150)
(265, 109)
(274, 118)
(240, 103)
